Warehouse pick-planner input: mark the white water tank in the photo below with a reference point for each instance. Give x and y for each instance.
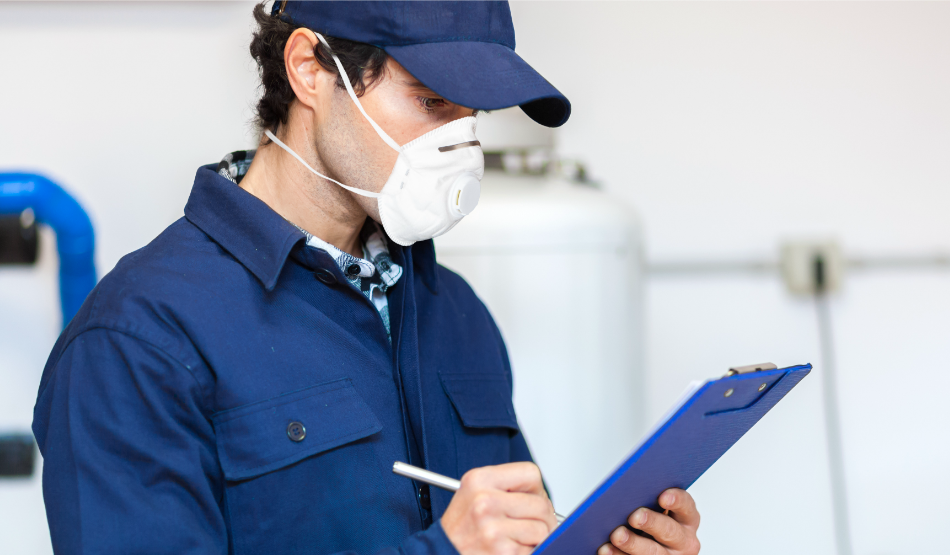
(559, 266)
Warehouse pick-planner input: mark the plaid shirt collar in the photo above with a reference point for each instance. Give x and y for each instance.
(375, 269)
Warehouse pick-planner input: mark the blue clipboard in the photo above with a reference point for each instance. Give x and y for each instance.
(707, 421)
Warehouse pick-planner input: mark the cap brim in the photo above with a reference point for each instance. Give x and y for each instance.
(483, 76)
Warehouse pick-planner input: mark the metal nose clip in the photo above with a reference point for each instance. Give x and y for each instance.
(458, 146)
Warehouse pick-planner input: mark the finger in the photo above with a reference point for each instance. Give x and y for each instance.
(625, 541)
(681, 505)
(523, 532)
(664, 529)
(608, 549)
(528, 506)
(511, 547)
(523, 477)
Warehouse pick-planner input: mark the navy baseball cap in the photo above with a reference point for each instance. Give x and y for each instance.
(464, 51)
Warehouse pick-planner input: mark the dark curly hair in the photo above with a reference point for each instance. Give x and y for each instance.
(364, 64)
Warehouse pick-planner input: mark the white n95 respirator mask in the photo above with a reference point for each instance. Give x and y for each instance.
(435, 182)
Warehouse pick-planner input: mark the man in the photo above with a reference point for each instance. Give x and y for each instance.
(244, 383)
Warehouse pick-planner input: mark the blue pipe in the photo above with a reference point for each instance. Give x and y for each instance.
(75, 240)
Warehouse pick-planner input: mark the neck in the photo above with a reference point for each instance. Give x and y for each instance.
(322, 208)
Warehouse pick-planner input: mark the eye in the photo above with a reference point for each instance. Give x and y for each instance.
(429, 105)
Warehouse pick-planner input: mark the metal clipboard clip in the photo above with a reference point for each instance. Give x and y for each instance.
(750, 368)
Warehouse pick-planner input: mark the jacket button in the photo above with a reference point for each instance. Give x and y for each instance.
(296, 431)
(424, 499)
(326, 276)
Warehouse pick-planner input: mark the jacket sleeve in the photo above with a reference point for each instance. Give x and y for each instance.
(130, 464)
(129, 459)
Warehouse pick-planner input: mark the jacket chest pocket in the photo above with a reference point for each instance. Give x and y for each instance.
(487, 417)
(303, 457)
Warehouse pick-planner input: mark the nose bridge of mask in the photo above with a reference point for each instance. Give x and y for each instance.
(349, 89)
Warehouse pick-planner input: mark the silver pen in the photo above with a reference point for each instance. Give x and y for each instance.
(437, 480)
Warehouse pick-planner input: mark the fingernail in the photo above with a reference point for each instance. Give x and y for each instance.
(620, 535)
(670, 499)
(640, 518)
(604, 550)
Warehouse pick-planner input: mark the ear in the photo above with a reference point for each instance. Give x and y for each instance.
(307, 77)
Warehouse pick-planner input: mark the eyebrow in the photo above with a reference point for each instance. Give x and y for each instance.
(415, 83)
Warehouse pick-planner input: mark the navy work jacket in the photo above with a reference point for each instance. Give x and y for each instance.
(225, 389)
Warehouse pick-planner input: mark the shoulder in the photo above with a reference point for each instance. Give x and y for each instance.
(454, 284)
(181, 255)
(461, 304)
(449, 291)
(144, 293)
(138, 314)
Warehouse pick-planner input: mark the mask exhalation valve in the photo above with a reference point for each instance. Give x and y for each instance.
(465, 194)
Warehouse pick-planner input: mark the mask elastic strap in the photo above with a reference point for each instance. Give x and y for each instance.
(349, 88)
(297, 156)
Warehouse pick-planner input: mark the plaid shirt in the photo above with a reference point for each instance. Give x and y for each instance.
(373, 274)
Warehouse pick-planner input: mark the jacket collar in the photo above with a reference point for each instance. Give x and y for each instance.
(423, 262)
(242, 224)
(259, 238)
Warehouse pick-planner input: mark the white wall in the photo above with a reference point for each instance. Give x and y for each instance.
(728, 125)
(752, 121)
(121, 102)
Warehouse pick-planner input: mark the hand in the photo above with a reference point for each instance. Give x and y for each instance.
(499, 510)
(674, 533)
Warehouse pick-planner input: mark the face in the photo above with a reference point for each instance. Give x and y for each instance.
(345, 143)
